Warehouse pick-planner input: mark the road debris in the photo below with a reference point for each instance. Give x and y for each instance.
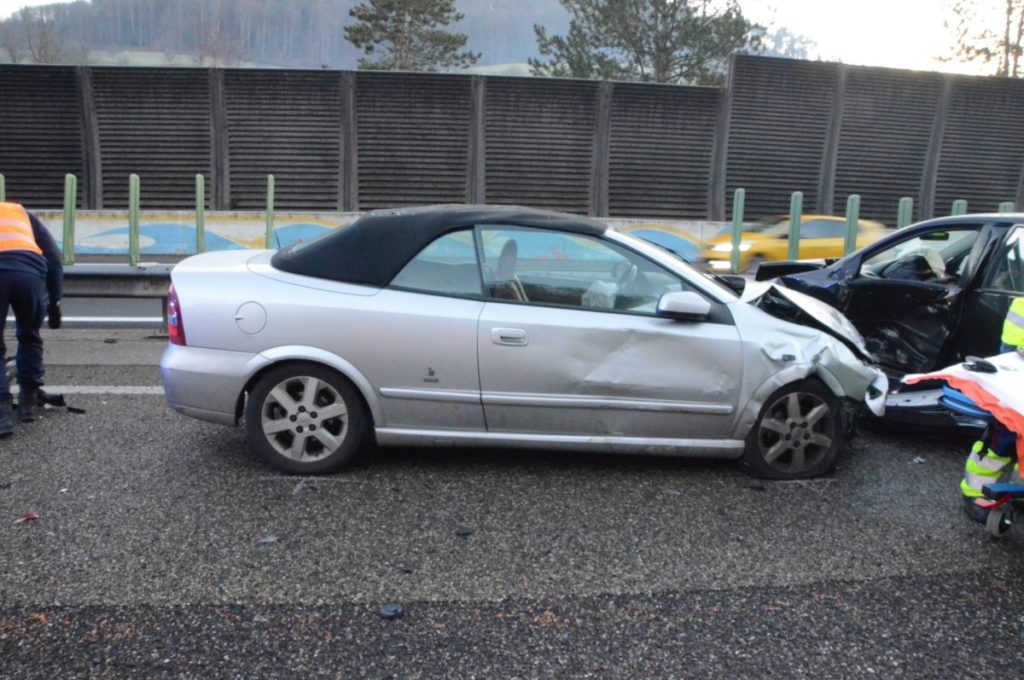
(27, 517)
(390, 612)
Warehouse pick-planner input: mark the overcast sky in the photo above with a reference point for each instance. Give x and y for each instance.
(896, 33)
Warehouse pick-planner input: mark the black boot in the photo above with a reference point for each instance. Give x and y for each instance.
(27, 404)
(6, 421)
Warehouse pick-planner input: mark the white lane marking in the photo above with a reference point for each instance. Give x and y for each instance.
(113, 319)
(104, 389)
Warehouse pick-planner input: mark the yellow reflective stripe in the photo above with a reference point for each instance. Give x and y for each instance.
(974, 468)
(1013, 327)
(990, 461)
(968, 490)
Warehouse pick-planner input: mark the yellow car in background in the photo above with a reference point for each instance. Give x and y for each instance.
(821, 237)
(677, 240)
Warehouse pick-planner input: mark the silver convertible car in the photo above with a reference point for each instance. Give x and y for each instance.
(505, 326)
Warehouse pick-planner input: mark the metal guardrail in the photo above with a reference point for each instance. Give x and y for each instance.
(119, 281)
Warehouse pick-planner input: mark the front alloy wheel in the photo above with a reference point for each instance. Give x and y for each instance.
(798, 434)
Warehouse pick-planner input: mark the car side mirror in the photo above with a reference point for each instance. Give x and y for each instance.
(683, 306)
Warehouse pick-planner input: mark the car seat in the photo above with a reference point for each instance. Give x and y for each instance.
(507, 285)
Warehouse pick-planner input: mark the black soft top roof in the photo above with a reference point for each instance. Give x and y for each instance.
(373, 248)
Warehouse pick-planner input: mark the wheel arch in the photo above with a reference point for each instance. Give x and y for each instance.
(792, 374)
(296, 354)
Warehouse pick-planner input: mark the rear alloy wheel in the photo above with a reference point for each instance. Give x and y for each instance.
(798, 434)
(304, 419)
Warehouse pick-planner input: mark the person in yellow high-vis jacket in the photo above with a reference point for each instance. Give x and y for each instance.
(31, 276)
(996, 450)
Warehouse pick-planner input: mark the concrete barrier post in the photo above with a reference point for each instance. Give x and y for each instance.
(737, 230)
(905, 215)
(133, 220)
(200, 214)
(70, 202)
(270, 211)
(959, 207)
(852, 222)
(796, 203)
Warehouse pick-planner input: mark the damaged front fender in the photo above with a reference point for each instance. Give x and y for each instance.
(784, 352)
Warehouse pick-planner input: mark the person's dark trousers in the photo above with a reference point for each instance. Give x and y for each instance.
(24, 294)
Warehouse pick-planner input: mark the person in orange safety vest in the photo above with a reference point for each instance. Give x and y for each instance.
(31, 281)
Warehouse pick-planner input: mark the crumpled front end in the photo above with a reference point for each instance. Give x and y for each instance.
(780, 352)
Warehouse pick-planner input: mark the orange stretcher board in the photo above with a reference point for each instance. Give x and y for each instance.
(1000, 393)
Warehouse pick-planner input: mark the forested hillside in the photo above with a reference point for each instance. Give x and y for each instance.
(294, 33)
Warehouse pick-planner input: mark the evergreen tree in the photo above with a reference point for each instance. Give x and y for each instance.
(664, 41)
(407, 35)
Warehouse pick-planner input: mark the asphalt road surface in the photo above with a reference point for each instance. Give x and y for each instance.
(163, 549)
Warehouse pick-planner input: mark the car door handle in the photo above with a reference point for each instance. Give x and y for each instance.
(508, 336)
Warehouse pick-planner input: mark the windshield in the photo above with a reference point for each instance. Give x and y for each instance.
(658, 252)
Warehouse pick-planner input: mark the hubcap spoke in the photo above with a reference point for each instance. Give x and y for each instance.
(335, 410)
(774, 425)
(797, 463)
(793, 406)
(310, 387)
(329, 441)
(820, 440)
(281, 396)
(774, 452)
(298, 449)
(275, 426)
(817, 413)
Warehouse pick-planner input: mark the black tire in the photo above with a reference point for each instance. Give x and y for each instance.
(798, 434)
(302, 433)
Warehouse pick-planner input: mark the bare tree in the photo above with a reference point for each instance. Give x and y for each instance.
(214, 44)
(988, 34)
(32, 33)
(13, 38)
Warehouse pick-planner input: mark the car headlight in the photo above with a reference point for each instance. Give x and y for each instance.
(727, 247)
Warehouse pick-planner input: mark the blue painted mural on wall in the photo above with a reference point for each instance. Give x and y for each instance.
(162, 238)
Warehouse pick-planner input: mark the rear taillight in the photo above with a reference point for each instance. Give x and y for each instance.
(175, 324)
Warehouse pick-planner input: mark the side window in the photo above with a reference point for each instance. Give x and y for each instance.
(447, 266)
(1007, 269)
(555, 268)
(822, 229)
(936, 256)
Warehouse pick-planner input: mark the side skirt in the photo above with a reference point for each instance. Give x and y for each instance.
(701, 448)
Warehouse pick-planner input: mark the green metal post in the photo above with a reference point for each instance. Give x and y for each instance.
(796, 203)
(270, 211)
(133, 220)
(200, 214)
(1007, 207)
(737, 229)
(906, 212)
(3, 188)
(70, 202)
(959, 207)
(852, 219)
